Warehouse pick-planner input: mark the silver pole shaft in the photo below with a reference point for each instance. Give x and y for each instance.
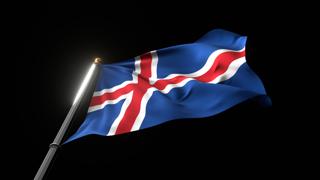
(57, 141)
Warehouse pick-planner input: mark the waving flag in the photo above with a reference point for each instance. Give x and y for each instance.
(186, 81)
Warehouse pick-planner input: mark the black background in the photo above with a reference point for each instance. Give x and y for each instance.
(57, 43)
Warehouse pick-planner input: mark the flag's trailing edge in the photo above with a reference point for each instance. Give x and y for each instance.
(186, 81)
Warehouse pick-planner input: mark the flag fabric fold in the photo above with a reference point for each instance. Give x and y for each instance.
(193, 80)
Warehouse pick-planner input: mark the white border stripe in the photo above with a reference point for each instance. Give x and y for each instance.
(232, 69)
(143, 107)
(137, 69)
(134, 80)
(101, 106)
(113, 89)
(124, 108)
(154, 64)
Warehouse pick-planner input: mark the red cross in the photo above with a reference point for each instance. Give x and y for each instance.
(141, 86)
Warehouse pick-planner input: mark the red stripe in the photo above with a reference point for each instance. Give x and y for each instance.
(145, 65)
(161, 84)
(132, 111)
(219, 67)
(143, 85)
(97, 100)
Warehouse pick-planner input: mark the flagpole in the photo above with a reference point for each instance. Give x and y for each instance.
(53, 147)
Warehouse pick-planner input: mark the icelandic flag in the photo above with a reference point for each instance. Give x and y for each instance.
(193, 80)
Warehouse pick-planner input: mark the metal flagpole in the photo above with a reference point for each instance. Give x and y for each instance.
(57, 141)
